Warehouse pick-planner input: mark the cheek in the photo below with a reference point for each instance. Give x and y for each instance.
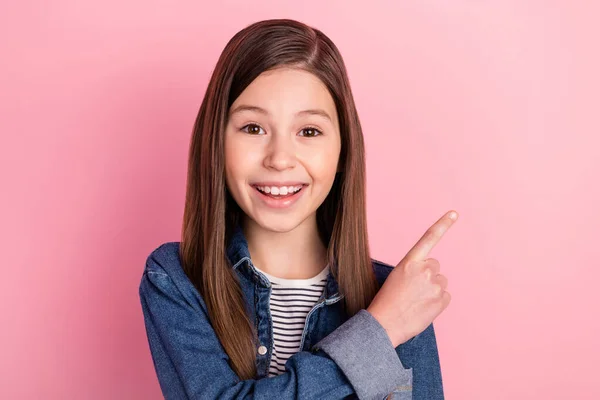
(241, 160)
(232, 161)
(323, 163)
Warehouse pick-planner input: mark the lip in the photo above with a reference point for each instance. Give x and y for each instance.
(278, 184)
(278, 203)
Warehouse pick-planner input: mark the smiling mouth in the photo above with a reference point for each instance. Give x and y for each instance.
(278, 196)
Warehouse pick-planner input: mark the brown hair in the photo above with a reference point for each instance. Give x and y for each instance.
(211, 214)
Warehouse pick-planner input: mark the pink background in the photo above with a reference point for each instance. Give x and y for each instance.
(489, 108)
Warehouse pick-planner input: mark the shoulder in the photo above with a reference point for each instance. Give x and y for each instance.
(164, 287)
(164, 271)
(381, 269)
(164, 259)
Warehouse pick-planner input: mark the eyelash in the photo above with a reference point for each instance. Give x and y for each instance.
(305, 128)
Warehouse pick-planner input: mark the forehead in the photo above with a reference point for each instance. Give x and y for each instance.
(285, 92)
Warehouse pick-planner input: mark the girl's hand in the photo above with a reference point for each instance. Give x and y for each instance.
(414, 293)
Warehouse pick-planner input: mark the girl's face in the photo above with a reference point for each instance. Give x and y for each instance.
(282, 133)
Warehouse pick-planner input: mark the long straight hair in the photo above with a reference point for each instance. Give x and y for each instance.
(211, 214)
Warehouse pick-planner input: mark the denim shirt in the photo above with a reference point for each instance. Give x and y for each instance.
(340, 357)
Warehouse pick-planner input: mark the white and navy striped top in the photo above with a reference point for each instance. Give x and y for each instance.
(291, 300)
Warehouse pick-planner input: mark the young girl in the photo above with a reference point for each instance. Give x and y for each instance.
(271, 292)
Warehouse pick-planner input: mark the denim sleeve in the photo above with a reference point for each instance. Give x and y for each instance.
(420, 354)
(191, 364)
(363, 350)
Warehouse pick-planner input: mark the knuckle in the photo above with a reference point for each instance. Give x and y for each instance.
(448, 297)
(428, 273)
(443, 281)
(413, 264)
(436, 230)
(432, 269)
(430, 233)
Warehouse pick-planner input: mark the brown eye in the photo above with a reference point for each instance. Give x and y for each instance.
(253, 129)
(311, 132)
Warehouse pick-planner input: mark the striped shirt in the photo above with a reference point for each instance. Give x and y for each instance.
(290, 302)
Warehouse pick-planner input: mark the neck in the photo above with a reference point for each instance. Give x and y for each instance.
(297, 254)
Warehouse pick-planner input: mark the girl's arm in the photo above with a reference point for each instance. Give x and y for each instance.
(191, 363)
(419, 353)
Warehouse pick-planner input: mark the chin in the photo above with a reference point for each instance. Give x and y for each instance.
(280, 224)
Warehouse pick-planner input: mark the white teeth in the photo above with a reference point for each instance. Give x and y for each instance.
(284, 190)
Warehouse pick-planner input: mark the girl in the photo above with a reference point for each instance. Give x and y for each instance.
(271, 292)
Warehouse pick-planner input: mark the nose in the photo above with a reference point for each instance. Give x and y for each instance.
(281, 153)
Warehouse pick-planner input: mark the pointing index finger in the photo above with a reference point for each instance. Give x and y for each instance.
(432, 236)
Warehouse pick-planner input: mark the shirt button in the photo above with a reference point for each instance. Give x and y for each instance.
(262, 350)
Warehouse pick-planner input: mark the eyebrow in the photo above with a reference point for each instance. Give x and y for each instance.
(314, 111)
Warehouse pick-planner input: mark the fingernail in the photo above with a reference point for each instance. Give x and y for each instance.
(453, 215)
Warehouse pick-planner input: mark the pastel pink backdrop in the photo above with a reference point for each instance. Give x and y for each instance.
(488, 108)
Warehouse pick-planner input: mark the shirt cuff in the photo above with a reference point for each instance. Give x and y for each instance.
(364, 352)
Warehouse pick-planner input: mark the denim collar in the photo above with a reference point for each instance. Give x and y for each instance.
(239, 256)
